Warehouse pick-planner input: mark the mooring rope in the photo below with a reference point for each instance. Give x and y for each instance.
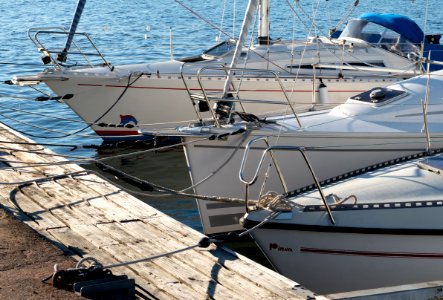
(203, 243)
(42, 114)
(42, 128)
(123, 175)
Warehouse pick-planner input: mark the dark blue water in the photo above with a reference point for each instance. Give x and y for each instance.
(139, 31)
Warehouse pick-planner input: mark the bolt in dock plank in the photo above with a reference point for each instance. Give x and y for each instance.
(92, 217)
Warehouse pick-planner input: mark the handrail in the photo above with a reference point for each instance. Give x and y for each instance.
(34, 34)
(226, 69)
(205, 95)
(189, 93)
(245, 155)
(182, 75)
(269, 149)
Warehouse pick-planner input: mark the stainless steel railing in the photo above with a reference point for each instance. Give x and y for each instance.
(270, 149)
(51, 55)
(203, 95)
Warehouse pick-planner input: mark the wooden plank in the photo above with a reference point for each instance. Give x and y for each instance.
(76, 204)
(59, 210)
(96, 200)
(207, 264)
(201, 263)
(35, 157)
(173, 271)
(205, 280)
(162, 280)
(168, 226)
(38, 214)
(118, 233)
(72, 241)
(139, 229)
(122, 199)
(265, 277)
(102, 221)
(94, 235)
(18, 202)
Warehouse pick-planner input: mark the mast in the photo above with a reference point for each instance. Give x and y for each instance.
(263, 29)
(76, 19)
(250, 10)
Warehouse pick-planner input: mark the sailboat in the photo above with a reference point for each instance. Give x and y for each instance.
(381, 228)
(120, 101)
(250, 155)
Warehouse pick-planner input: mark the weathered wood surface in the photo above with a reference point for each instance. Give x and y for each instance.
(92, 217)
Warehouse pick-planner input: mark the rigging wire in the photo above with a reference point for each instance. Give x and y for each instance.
(134, 81)
(231, 37)
(21, 64)
(344, 17)
(314, 25)
(203, 18)
(234, 17)
(222, 20)
(307, 28)
(42, 115)
(43, 128)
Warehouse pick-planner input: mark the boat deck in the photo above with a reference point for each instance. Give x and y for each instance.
(89, 216)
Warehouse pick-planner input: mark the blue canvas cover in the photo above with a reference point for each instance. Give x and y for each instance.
(398, 23)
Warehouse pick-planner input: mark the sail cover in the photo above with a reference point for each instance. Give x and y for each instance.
(398, 23)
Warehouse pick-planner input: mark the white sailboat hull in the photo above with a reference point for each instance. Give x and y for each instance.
(215, 165)
(388, 232)
(328, 262)
(163, 102)
(364, 131)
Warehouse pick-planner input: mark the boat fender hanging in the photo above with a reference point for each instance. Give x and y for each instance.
(46, 98)
(202, 106)
(323, 93)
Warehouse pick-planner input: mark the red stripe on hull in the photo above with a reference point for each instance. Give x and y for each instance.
(116, 132)
(372, 253)
(219, 90)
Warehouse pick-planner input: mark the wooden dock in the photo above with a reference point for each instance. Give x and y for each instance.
(91, 217)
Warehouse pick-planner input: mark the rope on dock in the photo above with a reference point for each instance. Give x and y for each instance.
(203, 243)
(122, 175)
(151, 186)
(23, 183)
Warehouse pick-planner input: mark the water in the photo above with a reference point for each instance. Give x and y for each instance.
(139, 31)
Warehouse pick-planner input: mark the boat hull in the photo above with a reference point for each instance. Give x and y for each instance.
(214, 165)
(157, 102)
(333, 261)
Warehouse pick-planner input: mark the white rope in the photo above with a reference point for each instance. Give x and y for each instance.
(266, 220)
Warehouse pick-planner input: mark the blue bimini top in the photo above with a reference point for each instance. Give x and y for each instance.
(398, 23)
